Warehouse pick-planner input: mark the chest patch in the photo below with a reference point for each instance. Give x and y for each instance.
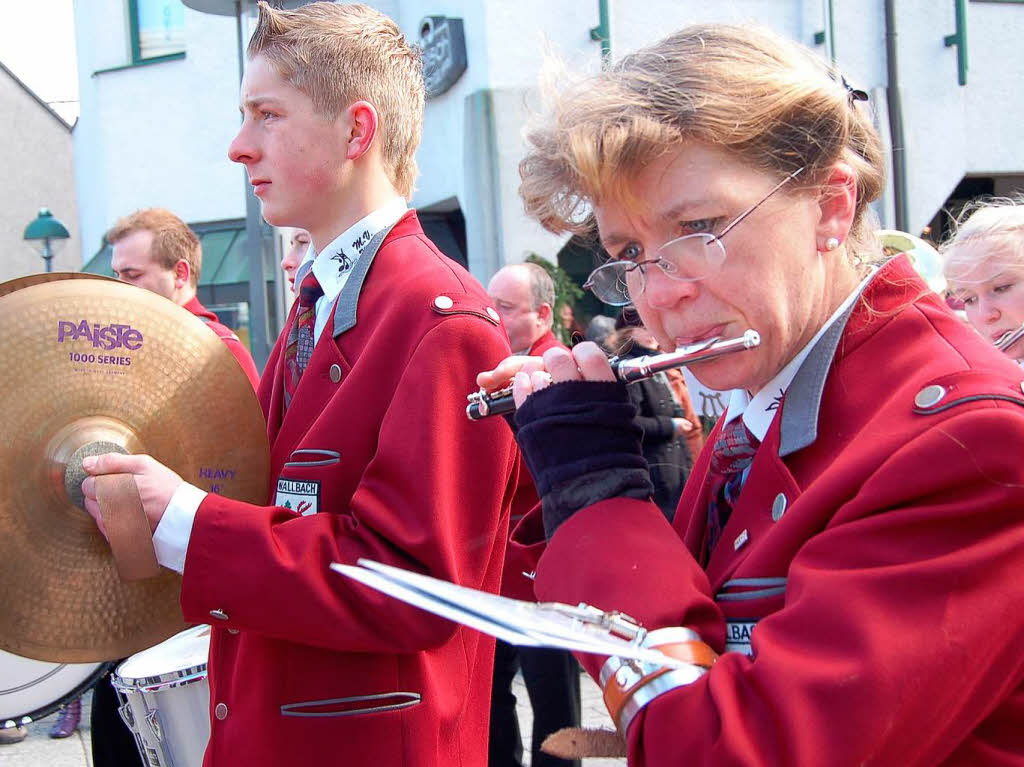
(299, 495)
(737, 636)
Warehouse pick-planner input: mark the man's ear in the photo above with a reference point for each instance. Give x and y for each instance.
(545, 313)
(362, 128)
(182, 273)
(837, 203)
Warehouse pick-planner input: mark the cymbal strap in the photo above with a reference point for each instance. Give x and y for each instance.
(128, 530)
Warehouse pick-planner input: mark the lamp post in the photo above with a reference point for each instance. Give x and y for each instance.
(45, 227)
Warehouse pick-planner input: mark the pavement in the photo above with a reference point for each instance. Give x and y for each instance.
(39, 750)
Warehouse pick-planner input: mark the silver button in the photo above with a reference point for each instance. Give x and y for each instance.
(1022, 386)
(929, 396)
(221, 711)
(335, 373)
(741, 540)
(778, 507)
(219, 615)
(443, 302)
(494, 316)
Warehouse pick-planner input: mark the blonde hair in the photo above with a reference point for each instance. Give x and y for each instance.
(172, 238)
(338, 54)
(989, 231)
(767, 100)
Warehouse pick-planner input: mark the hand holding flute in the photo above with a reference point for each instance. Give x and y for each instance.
(586, 362)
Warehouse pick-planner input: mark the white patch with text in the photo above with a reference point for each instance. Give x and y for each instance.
(299, 495)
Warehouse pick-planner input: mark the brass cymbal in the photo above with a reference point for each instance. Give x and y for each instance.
(37, 279)
(98, 361)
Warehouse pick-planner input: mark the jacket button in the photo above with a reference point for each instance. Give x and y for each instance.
(497, 318)
(335, 373)
(443, 302)
(219, 615)
(778, 507)
(232, 631)
(929, 396)
(221, 711)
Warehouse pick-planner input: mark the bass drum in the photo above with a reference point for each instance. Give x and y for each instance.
(32, 689)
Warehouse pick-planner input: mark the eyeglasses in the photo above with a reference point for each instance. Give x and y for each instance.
(689, 258)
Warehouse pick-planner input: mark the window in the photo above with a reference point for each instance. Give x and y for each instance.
(157, 29)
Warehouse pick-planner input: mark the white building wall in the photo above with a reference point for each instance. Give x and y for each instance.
(36, 155)
(158, 135)
(155, 135)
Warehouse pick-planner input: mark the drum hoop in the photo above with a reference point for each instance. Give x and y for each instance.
(76, 692)
(158, 682)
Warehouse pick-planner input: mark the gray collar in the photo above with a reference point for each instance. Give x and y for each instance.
(800, 410)
(348, 299)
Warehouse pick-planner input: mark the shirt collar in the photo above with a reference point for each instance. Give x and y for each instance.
(346, 248)
(759, 410)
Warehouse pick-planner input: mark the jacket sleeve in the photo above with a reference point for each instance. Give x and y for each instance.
(433, 498)
(914, 583)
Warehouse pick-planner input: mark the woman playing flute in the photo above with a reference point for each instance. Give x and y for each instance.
(843, 578)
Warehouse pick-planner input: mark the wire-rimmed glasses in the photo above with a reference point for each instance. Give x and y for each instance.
(689, 258)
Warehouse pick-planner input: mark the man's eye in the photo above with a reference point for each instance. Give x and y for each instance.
(968, 300)
(1003, 288)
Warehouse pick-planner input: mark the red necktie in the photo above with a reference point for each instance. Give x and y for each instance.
(300, 336)
(733, 452)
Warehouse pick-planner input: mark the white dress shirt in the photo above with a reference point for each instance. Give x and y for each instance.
(332, 267)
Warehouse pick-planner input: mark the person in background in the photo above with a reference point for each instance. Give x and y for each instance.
(983, 261)
(659, 415)
(599, 328)
(524, 295)
(298, 247)
(155, 250)
(571, 329)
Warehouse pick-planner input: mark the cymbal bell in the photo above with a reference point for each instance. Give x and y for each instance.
(95, 364)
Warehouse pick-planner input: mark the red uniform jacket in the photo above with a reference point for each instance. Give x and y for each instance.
(230, 339)
(871, 577)
(375, 458)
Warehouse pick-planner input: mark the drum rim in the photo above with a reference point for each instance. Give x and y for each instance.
(76, 692)
(167, 680)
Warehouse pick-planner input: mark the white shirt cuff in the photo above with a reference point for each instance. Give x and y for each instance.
(170, 539)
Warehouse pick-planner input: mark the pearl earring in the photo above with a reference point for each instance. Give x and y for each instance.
(831, 243)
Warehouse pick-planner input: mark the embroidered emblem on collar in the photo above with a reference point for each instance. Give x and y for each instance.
(361, 241)
(774, 404)
(344, 262)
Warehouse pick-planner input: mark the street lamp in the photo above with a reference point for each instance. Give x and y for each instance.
(46, 228)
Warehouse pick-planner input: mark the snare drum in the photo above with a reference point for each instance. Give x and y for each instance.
(32, 689)
(166, 699)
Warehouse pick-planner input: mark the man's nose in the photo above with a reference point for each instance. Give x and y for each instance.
(243, 149)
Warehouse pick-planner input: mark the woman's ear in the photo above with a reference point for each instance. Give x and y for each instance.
(837, 204)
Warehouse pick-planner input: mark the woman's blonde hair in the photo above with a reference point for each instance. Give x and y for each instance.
(767, 100)
(988, 232)
(338, 54)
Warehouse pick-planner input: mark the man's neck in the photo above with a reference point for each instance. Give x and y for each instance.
(184, 296)
(363, 194)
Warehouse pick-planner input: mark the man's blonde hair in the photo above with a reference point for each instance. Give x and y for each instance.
(172, 238)
(338, 54)
(767, 100)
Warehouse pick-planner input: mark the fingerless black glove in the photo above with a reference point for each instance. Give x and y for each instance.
(582, 445)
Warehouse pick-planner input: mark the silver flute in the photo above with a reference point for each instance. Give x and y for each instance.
(1009, 338)
(483, 403)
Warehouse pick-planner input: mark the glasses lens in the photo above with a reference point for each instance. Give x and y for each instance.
(693, 257)
(608, 282)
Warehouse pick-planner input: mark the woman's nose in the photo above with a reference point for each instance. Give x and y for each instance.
(663, 292)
